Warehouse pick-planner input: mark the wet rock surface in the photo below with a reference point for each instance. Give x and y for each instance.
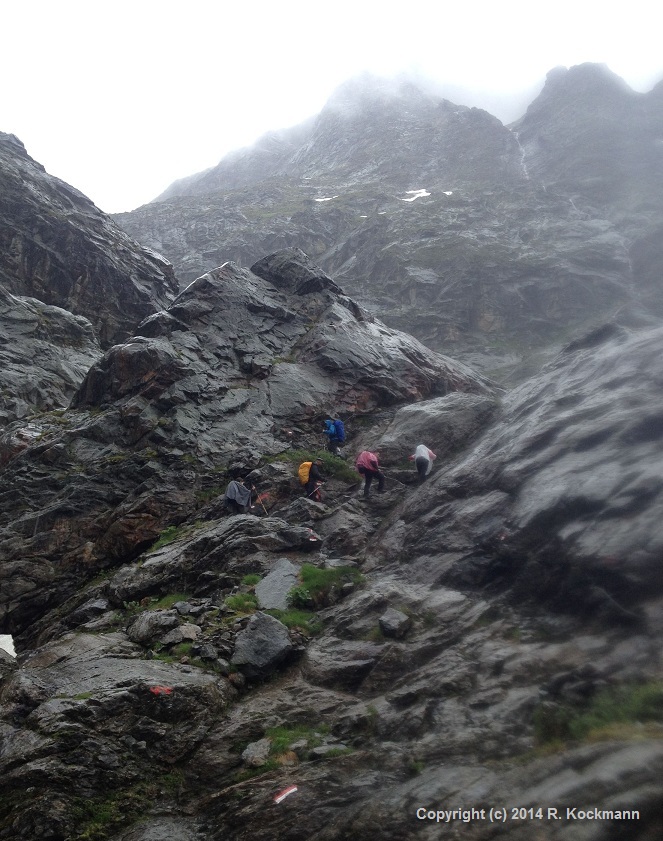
(56, 246)
(59, 257)
(454, 644)
(485, 612)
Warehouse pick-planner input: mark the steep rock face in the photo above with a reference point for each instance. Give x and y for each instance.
(56, 246)
(589, 134)
(562, 498)
(215, 378)
(45, 352)
(481, 241)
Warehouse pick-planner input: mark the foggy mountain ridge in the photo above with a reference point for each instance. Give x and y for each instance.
(530, 232)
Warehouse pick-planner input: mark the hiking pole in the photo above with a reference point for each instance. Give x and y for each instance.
(259, 499)
(315, 489)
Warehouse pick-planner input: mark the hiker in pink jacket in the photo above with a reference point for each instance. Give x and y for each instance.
(368, 465)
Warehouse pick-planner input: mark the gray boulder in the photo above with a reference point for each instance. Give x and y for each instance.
(262, 646)
(272, 591)
(395, 623)
(151, 624)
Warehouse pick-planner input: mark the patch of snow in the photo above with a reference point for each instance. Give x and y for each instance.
(447, 192)
(363, 217)
(416, 194)
(7, 643)
(328, 198)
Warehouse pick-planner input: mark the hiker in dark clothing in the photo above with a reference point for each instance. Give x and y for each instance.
(368, 465)
(238, 497)
(315, 479)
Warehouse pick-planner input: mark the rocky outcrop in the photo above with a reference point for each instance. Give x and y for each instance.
(57, 247)
(562, 497)
(45, 352)
(217, 376)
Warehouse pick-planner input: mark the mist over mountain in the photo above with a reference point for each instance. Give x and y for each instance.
(472, 653)
(485, 240)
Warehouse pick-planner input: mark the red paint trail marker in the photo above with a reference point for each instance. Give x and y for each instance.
(285, 793)
(161, 690)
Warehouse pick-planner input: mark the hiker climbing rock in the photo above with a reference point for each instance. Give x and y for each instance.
(311, 478)
(238, 497)
(423, 460)
(335, 432)
(368, 465)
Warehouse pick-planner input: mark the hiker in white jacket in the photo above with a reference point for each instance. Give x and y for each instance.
(423, 460)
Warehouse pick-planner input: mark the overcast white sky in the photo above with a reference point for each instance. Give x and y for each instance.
(121, 98)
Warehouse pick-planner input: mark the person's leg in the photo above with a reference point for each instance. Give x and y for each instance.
(368, 475)
(422, 467)
(380, 476)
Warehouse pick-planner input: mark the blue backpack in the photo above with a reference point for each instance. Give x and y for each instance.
(330, 429)
(340, 430)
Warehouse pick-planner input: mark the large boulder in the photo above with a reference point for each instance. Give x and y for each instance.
(262, 646)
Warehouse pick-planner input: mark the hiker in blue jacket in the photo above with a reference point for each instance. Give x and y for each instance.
(335, 432)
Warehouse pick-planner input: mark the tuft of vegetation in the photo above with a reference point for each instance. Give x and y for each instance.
(319, 586)
(242, 602)
(610, 712)
(167, 536)
(299, 597)
(168, 601)
(99, 818)
(283, 737)
(304, 620)
(171, 533)
(205, 496)
(251, 579)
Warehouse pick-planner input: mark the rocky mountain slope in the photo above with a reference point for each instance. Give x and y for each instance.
(60, 257)
(488, 640)
(484, 241)
(471, 657)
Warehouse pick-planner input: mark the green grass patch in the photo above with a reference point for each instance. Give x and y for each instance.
(304, 620)
(166, 602)
(242, 602)
(251, 579)
(611, 711)
(283, 737)
(183, 649)
(318, 585)
(205, 496)
(100, 818)
(171, 533)
(167, 536)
